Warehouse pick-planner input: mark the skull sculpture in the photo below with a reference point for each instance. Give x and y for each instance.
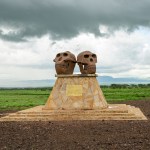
(87, 62)
(65, 63)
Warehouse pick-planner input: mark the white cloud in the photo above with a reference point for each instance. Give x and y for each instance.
(119, 55)
(24, 61)
(103, 29)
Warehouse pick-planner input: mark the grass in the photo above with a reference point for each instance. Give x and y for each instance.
(125, 94)
(16, 99)
(23, 98)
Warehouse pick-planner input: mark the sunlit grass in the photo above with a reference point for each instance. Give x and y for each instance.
(19, 99)
(118, 94)
(25, 98)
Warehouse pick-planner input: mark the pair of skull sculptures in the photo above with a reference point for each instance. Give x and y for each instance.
(65, 62)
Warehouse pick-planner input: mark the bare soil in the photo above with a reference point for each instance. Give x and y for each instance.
(78, 135)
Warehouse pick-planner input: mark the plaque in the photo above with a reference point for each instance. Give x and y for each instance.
(74, 90)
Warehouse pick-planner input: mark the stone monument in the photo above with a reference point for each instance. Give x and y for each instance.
(78, 91)
(76, 96)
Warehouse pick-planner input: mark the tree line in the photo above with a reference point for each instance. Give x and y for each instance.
(126, 86)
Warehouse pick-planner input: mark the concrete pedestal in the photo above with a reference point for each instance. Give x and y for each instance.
(76, 92)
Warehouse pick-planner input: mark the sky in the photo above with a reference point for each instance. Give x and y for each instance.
(32, 32)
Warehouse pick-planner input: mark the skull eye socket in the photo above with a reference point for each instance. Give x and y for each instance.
(65, 54)
(58, 55)
(93, 55)
(86, 56)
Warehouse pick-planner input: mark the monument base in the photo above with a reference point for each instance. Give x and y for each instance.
(76, 92)
(112, 112)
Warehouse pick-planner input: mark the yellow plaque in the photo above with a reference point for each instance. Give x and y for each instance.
(74, 90)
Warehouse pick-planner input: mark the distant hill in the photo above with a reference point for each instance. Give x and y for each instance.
(38, 83)
(110, 80)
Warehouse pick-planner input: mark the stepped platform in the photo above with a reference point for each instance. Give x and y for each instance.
(112, 112)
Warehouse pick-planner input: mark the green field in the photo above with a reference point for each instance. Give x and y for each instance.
(22, 98)
(15, 99)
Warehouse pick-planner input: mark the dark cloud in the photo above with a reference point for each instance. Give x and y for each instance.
(68, 18)
(12, 36)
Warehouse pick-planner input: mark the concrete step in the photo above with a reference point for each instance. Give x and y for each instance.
(58, 118)
(65, 114)
(75, 112)
(113, 112)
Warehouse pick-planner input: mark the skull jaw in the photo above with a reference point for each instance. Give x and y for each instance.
(65, 68)
(91, 69)
(60, 69)
(87, 69)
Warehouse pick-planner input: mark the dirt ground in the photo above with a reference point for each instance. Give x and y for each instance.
(78, 135)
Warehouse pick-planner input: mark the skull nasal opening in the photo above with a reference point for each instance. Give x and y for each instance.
(60, 59)
(91, 59)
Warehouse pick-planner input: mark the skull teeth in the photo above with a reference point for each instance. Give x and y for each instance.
(91, 67)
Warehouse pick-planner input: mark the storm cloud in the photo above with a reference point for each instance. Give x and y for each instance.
(64, 19)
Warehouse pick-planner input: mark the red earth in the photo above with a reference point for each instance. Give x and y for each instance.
(69, 135)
